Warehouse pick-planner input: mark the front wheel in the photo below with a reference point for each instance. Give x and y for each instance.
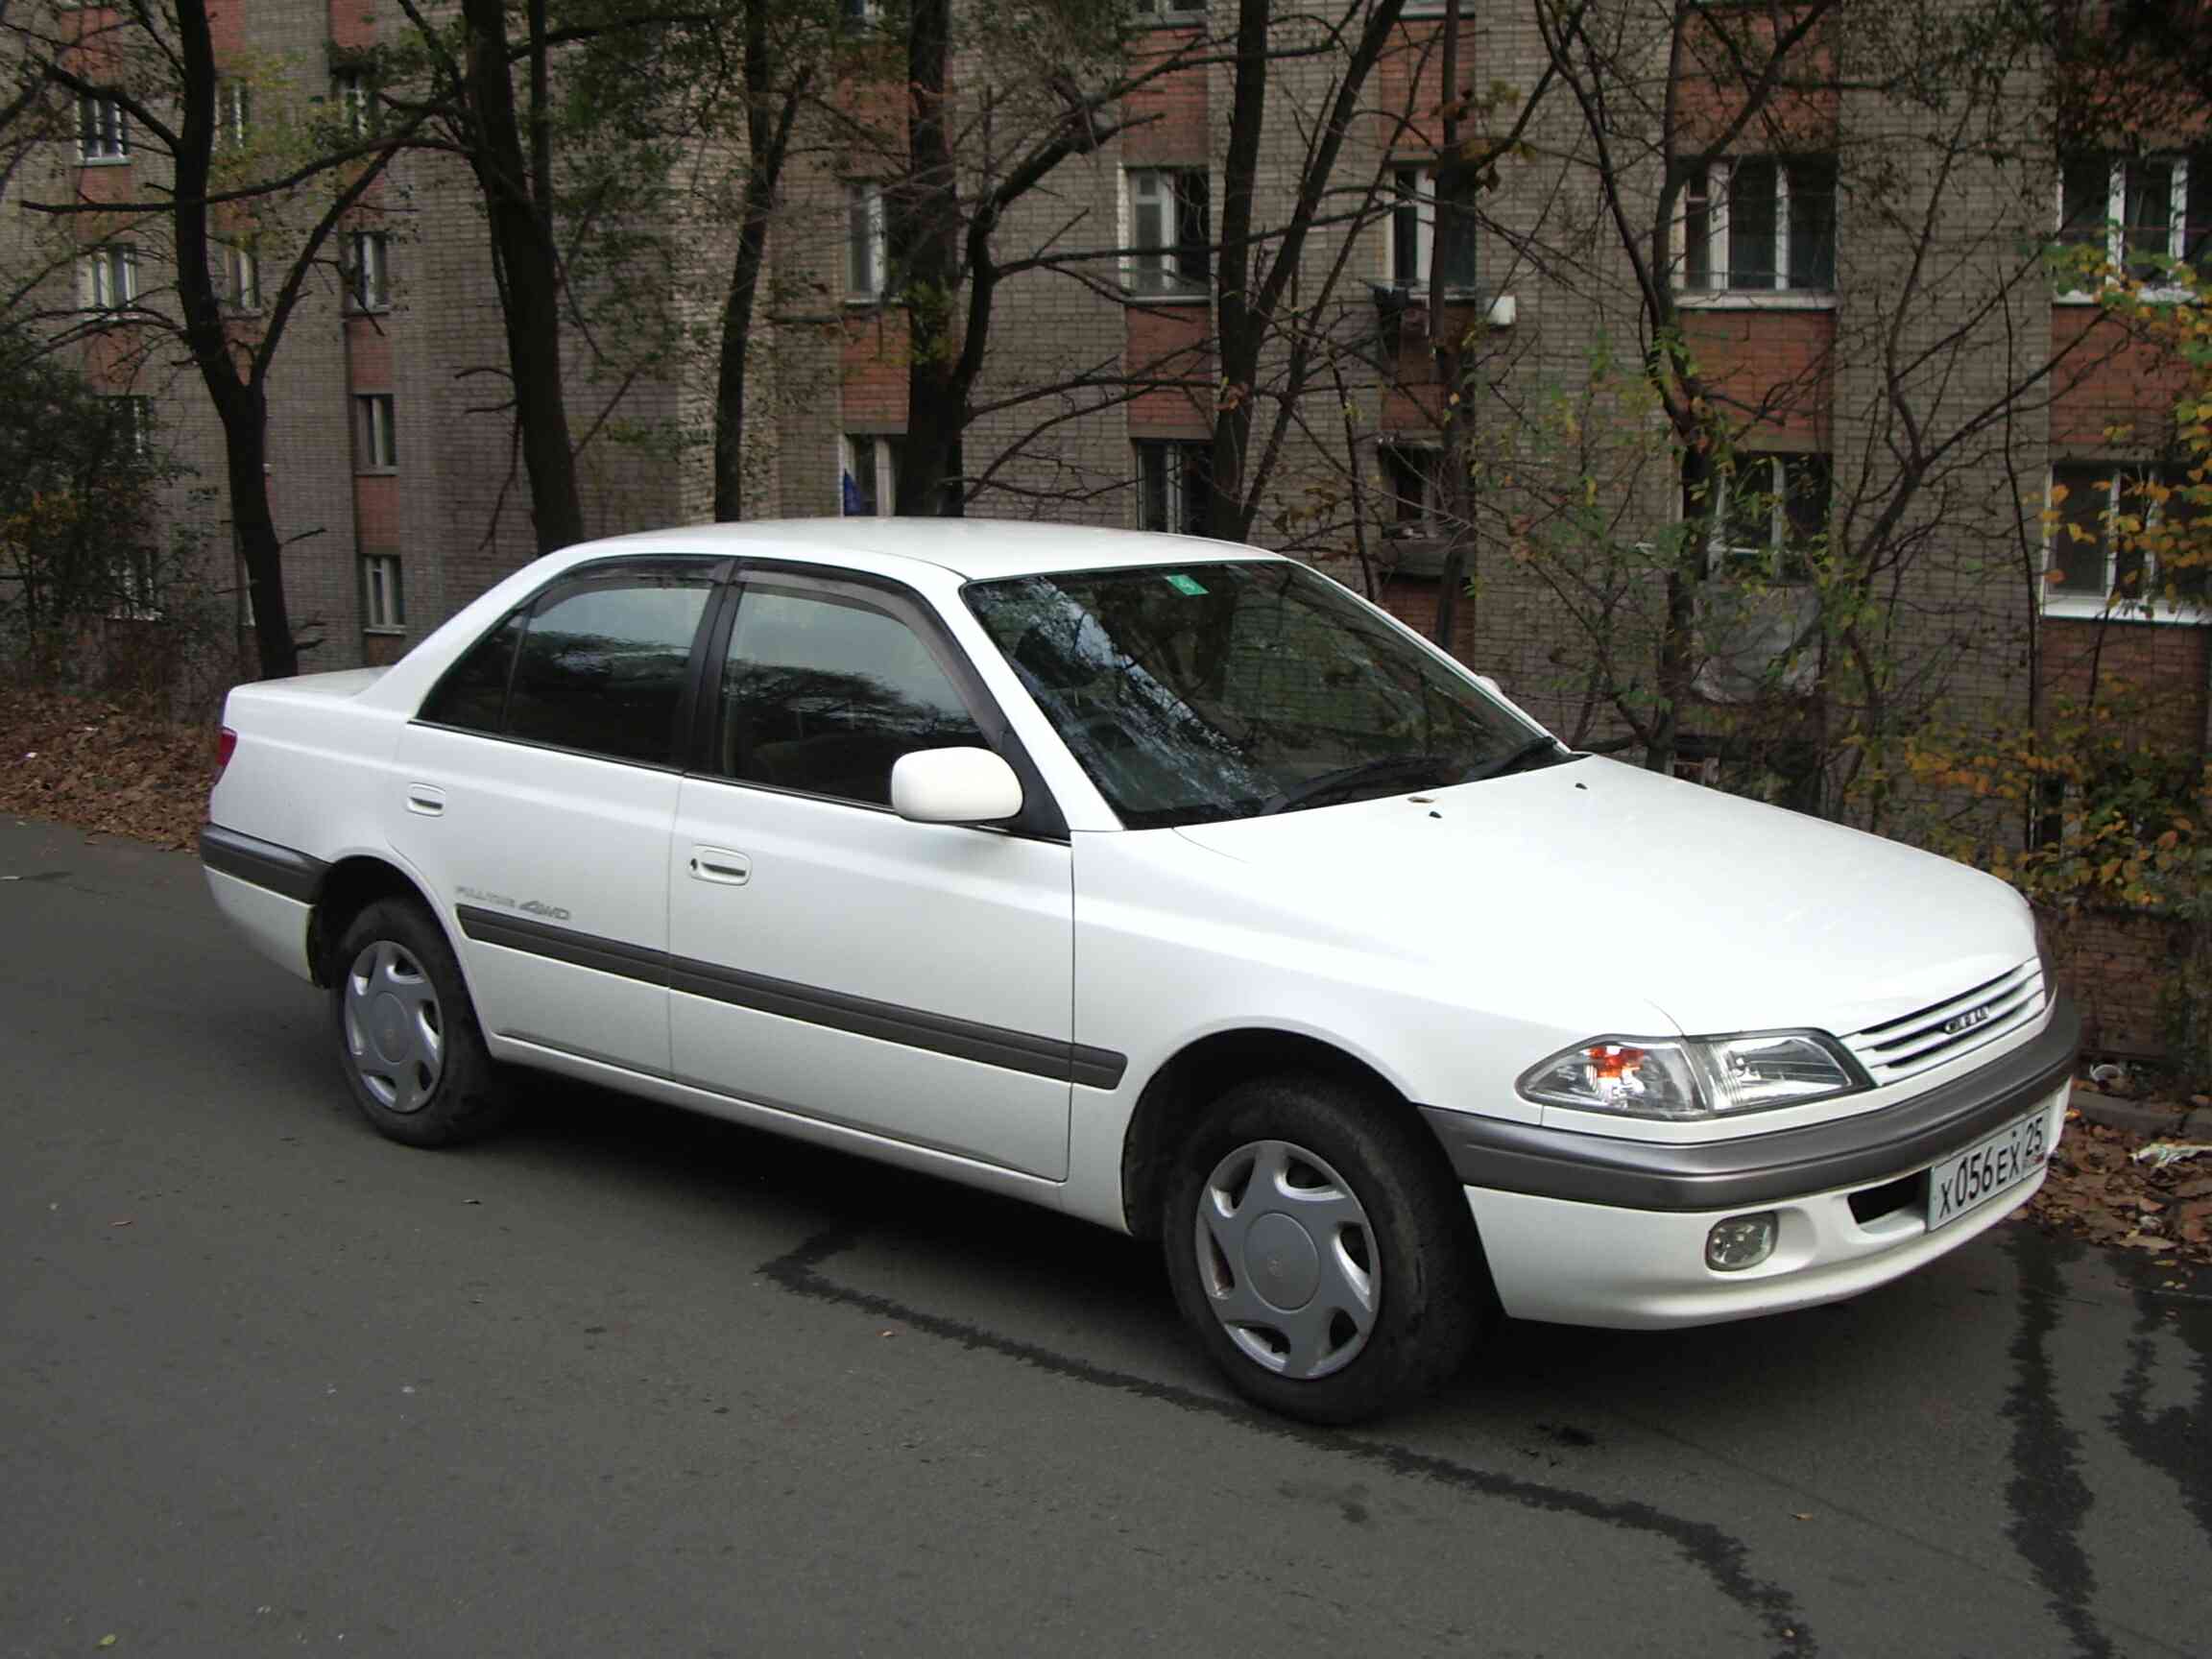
(1321, 1251)
(407, 1036)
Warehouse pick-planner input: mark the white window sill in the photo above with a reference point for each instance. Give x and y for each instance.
(369, 310)
(1754, 300)
(866, 302)
(2153, 295)
(380, 629)
(102, 161)
(377, 471)
(2083, 608)
(1136, 297)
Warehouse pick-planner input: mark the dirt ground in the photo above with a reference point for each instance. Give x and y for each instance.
(103, 768)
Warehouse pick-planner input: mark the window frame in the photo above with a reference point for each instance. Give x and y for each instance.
(2119, 171)
(355, 96)
(234, 112)
(1724, 558)
(385, 611)
(109, 279)
(102, 132)
(370, 457)
(2073, 603)
(864, 206)
(137, 423)
(1156, 273)
(1174, 456)
(1706, 193)
(240, 278)
(368, 253)
(1412, 193)
(884, 465)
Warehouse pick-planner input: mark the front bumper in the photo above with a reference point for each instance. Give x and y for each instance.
(1589, 1230)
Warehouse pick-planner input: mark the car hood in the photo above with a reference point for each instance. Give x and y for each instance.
(1724, 914)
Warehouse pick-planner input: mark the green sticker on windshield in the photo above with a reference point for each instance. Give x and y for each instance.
(1187, 586)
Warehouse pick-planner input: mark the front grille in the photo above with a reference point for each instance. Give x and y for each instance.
(1904, 1048)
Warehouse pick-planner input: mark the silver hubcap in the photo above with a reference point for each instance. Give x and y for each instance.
(395, 1030)
(1287, 1259)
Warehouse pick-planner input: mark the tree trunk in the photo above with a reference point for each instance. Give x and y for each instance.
(528, 263)
(239, 404)
(929, 228)
(1241, 327)
(768, 140)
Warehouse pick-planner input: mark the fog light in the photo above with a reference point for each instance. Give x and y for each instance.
(1741, 1241)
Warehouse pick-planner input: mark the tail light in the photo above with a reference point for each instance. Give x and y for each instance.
(226, 746)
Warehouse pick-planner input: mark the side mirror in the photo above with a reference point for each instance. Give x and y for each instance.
(954, 786)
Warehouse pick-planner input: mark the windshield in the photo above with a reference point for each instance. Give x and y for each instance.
(1236, 689)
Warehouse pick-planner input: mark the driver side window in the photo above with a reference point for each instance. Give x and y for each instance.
(821, 693)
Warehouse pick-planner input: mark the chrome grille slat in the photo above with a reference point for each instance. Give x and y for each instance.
(1900, 1049)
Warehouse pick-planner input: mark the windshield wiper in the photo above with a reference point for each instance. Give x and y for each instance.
(1385, 770)
(1516, 760)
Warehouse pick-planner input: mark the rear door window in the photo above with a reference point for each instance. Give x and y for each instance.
(598, 662)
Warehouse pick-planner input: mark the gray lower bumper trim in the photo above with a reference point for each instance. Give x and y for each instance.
(1754, 1170)
(264, 863)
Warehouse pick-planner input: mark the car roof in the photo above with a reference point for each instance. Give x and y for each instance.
(976, 549)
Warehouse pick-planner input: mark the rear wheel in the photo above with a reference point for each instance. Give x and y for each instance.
(1321, 1251)
(407, 1035)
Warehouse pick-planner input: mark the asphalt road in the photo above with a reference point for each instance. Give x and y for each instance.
(634, 1383)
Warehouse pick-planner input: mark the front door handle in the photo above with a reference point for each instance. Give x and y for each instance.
(426, 799)
(720, 864)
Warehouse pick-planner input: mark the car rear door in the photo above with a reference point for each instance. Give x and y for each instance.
(534, 794)
(827, 956)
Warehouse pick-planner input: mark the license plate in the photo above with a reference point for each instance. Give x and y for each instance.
(1967, 1180)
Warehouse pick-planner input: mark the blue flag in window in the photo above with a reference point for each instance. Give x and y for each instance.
(855, 503)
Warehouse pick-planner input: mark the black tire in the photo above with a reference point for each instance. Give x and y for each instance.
(1431, 1302)
(439, 1091)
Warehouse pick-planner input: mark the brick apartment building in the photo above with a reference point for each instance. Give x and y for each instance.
(1819, 256)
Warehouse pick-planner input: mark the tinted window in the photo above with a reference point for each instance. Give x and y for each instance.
(822, 694)
(603, 664)
(473, 694)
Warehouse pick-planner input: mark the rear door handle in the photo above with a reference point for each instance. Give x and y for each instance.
(425, 798)
(720, 864)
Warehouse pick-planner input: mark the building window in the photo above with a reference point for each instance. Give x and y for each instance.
(868, 484)
(1173, 479)
(107, 279)
(234, 112)
(855, 15)
(1413, 205)
(2138, 213)
(240, 278)
(356, 102)
(1759, 224)
(383, 606)
(1770, 517)
(1168, 231)
(374, 448)
(369, 270)
(1413, 473)
(102, 132)
(1170, 11)
(865, 262)
(131, 419)
(2126, 536)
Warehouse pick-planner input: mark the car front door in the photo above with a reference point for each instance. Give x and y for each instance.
(829, 957)
(536, 791)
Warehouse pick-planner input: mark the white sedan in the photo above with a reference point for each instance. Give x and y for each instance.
(1164, 882)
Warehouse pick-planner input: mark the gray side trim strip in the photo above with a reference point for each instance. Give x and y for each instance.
(863, 1017)
(1761, 1168)
(564, 945)
(264, 863)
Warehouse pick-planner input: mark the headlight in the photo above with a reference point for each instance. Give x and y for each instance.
(1694, 1076)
